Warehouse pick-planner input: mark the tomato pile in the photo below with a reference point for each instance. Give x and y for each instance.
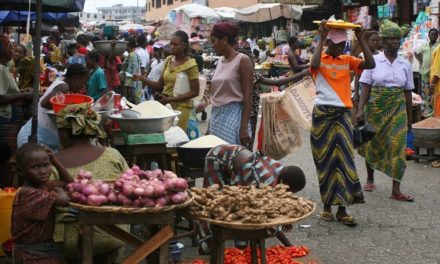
(274, 255)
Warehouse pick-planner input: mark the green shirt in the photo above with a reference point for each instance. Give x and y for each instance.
(8, 86)
(426, 51)
(97, 84)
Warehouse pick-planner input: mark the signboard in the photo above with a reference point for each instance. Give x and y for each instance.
(295, 2)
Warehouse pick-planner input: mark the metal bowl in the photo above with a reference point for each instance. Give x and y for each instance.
(426, 134)
(104, 47)
(104, 116)
(128, 113)
(144, 125)
(105, 102)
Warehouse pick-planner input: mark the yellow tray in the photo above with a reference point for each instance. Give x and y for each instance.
(343, 25)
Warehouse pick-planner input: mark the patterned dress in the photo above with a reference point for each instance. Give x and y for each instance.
(107, 167)
(220, 169)
(33, 222)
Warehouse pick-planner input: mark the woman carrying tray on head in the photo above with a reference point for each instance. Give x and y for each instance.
(77, 124)
(331, 135)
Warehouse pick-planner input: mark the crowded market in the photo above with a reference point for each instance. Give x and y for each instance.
(234, 134)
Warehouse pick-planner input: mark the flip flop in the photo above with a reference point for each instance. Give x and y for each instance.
(402, 197)
(369, 187)
(435, 164)
(347, 220)
(326, 216)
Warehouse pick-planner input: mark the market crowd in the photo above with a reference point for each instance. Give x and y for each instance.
(374, 87)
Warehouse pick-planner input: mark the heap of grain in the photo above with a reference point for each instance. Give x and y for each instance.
(153, 109)
(428, 123)
(208, 141)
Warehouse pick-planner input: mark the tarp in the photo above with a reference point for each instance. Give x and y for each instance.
(19, 17)
(196, 10)
(226, 12)
(48, 5)
(266, 12)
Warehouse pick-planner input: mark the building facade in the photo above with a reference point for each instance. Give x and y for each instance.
(120, 12)
(157, 9)
(89, 17)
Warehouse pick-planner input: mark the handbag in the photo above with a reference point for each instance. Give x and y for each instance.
(362, 133)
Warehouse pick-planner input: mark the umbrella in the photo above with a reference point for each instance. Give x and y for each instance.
(226, 12)
(128, 27)
(196, 10)
(38, 6)
(264, 12)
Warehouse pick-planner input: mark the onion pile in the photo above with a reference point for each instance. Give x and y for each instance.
(134, 187)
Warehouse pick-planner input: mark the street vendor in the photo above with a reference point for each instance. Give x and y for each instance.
(236, 165)
(331, 135)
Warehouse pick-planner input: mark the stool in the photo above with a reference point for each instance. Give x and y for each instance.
(430, 148)
(220, 234)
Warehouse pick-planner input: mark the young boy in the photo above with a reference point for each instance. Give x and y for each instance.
(97, 85)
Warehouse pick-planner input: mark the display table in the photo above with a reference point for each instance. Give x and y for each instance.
(107, 221)
(220, 234)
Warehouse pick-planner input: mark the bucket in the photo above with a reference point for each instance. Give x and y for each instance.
(70, 99)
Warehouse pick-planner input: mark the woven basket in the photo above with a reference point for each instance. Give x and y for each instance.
(252, 226)
(132, 210)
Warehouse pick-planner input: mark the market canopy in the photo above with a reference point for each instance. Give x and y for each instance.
(19, 17)
(267, 12)
(295, 2)
(196, 10)
(226, 12)
(48, 5)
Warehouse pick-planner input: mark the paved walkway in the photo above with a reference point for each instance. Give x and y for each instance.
(388, 231)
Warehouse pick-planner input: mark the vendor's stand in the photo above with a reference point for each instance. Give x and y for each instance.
(39, 6)
(189, 16)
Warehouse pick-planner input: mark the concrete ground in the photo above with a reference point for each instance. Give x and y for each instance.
(388, 231)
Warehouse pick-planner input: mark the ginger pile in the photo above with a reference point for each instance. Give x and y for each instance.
(248, 204)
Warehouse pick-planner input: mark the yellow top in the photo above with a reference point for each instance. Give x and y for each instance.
(170, 75)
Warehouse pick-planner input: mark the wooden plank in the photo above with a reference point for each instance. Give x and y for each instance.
(150, 246)
(100, 218)
(122, 235)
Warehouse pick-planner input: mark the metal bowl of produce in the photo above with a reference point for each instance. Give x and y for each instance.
(128, 113)
(104, 47)
(144, 125)
(192, 157)
(105, 102)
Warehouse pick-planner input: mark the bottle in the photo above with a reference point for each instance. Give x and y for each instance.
(192, 130)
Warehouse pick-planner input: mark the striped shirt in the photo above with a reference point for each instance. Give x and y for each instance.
(256, 169)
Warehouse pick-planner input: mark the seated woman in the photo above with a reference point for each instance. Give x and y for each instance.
(77, 125)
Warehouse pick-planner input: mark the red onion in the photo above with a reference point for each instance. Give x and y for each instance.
(75, 196)
(129, 172)
(127, 190)
(83, 199)
(90, 189)
(104, 188)
(148, 191)
(137, 203)
(84, 175)
(178, 197)
(138, 191)
(180, 184)
(112, 197)
(159, 190)
(70, 187)
(77, 186)
(127, 202)
(97, 200)
(148, 202)
(84, 182)
(160, 202)
(169, 174)
(121, 198)
(169, 184)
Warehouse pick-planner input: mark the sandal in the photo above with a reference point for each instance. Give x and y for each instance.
(369, 187)
(326, 216)
(402, 197)
(347, 220)
(435, 164)
(204, 246)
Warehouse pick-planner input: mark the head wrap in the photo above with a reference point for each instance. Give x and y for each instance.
(389, 29)
(337, 35)
(81, 119)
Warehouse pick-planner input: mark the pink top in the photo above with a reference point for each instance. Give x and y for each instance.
(226, 85)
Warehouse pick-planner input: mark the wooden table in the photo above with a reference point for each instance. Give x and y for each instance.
(107, 221)
(220, 234)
